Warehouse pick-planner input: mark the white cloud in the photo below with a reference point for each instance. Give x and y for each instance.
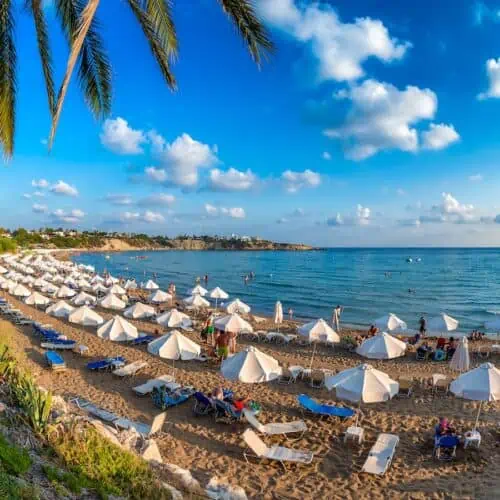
(119, 199)
(39, 194)
(361, 217)
(439, 136)
(400, 192)
(154, 174)
(231, 180)
(148, 217)
(210, 209)
(410, 222)
(450, 210)
(71, 217)
(159, 200)
(326, 156)
(340, 48)
(282, 220)
(39, 209)
(493, 73)
(382, 117)
(119, 138)
(476, 178)
(235, 212)
(40, 183)
(64, 189)
(27, 196)
(157, 141)
(295, 181)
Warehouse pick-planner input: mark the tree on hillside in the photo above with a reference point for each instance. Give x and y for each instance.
(79, 23)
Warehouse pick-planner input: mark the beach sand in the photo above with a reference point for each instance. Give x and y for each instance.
(208, 449)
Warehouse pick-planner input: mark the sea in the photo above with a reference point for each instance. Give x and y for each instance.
(368, 283)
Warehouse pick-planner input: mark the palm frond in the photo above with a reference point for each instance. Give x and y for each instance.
(94, 71)
(147, 17)
(35, 7)
(160, 13)
(78, 41)
(7, 77)
(251, 29)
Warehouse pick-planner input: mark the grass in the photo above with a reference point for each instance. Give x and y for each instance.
(14, 460)
(73, 482)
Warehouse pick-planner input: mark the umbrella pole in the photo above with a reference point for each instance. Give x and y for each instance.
(478, 412)
(312, 357)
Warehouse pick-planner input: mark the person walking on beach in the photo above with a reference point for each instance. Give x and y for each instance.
(290, 314)
(222, 343)
(422, 325)
(336, 318)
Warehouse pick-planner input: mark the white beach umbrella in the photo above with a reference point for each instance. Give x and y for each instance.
(480, 384)
(238, 306)
(111, 280)
(319, 330)
(49, 288)
(3, 270)
(117, 329)
(460, 361)
(83, 298)
(278, 314)
(37, 299)
(362, 384)
(58, 279)
(158, 297)
(382, 346)
(174, 319)
(233, 323)
(97, 279)
(198, 290)
(64, 292)
(139, 311)
(70, 281)
(83, 284)
(151, 285)
(111, 301)
(442, 323)
(40, 283)
(197, 301)
(250, 366)
(174, 346)
(85, 316)
(390, 323)
(130, 285)
(60, 309)
(6, 284)
(99, 288)
(218, 294)
(20, 291)
(117, 290)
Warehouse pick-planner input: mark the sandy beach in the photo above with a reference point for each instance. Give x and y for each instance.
(206, 448)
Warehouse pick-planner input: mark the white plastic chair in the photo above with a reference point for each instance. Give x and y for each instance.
(380, 457)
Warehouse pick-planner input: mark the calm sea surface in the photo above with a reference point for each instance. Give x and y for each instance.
(464, 283)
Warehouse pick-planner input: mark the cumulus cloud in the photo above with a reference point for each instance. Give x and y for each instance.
(211, 209)
(40, 183)
(295, 181)
(493, 74)
(382, 117)
(27, 196)
(340, 49)
(148, 217)
(476, 178)
(282, 220)
(235, 212)
(39, 209)
(120, 138)
(361, 217)
(64, 189)
(69, 217)
(326, 156)
(154, 174)
(157, 200)
(450, 210)
(39, 194)
(231, 180)
(119, 199)
(439, 136)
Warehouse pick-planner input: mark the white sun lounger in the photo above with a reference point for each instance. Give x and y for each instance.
(130, 369)
(146, 388)
(278, 453)
(94, 410)
(144, 429)
(273, 429)
(380, 457)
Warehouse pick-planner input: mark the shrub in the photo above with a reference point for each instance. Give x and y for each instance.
(14, 460)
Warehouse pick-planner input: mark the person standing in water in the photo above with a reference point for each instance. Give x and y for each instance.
(336, 318)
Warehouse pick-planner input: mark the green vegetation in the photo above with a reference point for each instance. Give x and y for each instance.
(7, 245)
(13, 460)
(73, 482)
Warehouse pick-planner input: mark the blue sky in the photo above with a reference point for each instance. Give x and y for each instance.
(370, 125)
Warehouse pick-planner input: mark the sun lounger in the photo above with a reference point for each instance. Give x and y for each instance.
(278, 453)
(106, 364)
(310, 406)
(146, 339)
(55, 361)
(94, 410)
(440, 384)
(317, 379)
(273, 429)
(130, 369)
(147, 387)
(58, 344)
(380, 457)
(405, 387)
(203, 404)
(163, 398)
(143, 429)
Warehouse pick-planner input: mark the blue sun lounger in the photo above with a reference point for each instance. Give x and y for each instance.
(311, 406)
(106, 364)
(163, 399)
(146, 339)
(203, 404)
(55, 361)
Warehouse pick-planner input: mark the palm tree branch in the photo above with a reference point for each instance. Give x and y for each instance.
(35, 7)
(160, 13)
(84, 25)
(249, 26)
(152, 31)
(7, 77)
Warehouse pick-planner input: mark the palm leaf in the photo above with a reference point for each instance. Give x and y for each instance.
(35, 7)
(78, 41)
(242, 12)
(153, 24)
(160, 13)
(7, 77)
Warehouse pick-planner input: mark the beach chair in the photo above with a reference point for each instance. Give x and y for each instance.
(445, 447)
(106, 364)
(278, 453)
(163, 398)
(145, 339)
(203, 404)
(55, 361)
(147, 387)
(421, 355)
(405, 387)
(381, 454)
(91, 409)
(273, 429)
(224, 412)
(59, 344)
(145, 430)
(311, 407)
(290, 375)
(317, 379)
(440, 383)
(130, 369)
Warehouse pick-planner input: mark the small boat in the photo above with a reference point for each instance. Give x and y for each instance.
(409, 260)
(107, 257)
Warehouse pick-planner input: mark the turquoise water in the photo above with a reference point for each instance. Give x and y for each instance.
(464, 283)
